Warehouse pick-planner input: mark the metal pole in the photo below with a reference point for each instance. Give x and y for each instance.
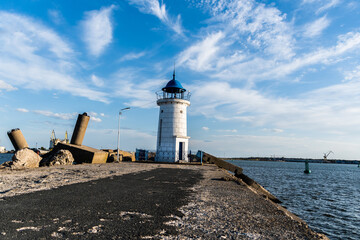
(118, 141)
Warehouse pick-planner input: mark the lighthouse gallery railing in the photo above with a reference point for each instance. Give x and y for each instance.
(166, 95)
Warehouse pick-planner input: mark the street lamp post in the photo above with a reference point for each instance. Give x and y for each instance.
(118, 140)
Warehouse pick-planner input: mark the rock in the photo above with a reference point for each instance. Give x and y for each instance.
(6, 165)
(60, 157)
(25, 158)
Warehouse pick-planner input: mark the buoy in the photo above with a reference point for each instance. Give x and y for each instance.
(307, 169)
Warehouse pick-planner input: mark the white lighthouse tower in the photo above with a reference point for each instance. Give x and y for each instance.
(172, 140)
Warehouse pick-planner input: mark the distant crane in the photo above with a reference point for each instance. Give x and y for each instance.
(327, 154)
(54, 140)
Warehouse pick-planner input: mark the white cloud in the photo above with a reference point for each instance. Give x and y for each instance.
(258, 69)
(55, 16)
(158, 9)
(64, 116)
(22, 110)
(98, 30)
(322, 5)
(205, 128)
(330, 110)
(252, 42)
(93, 117)
(139, 94)
(132, 56)
(274, 130)
(315, 28)
(228, 130)
(97, 81)
(254, 25)
(23, 40)
(328, 5)
(201, 56)
(346, 43)
(6, 86)
(353, 75)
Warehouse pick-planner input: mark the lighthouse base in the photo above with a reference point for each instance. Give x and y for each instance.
(174, 151)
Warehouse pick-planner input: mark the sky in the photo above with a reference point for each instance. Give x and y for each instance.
(267, 78)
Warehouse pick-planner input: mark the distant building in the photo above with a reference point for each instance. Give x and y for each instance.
(172, 139)
(2, 149)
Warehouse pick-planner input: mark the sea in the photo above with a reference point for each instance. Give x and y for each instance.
(4, 157)
(328, 198)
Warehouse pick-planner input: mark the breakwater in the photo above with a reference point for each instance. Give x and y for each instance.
(327, 199)
(215, 207)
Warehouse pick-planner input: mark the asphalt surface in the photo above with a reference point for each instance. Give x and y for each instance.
(131, 206)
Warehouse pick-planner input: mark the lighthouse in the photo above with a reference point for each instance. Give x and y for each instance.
(172, 140)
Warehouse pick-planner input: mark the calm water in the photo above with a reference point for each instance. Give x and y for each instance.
(4, 157)
(328, 199)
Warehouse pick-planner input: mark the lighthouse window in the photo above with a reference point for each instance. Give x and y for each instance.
(162, 111)
(181, 111)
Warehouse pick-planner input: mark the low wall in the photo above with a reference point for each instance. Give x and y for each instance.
(238, 172)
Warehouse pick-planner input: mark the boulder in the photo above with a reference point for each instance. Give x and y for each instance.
(60, 157)
(25, 158)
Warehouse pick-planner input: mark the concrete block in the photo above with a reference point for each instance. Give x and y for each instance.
(84, 154)
(80, 129)
(17, 139)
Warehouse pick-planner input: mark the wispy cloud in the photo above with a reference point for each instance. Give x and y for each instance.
(205, 128)
(63, 116)
(225, 63)
(97, 81)
(158, 9)
(94, 117)
(328, 5)
(42, 61)
(323, 110)
(132, 56)
(24, 110)
(254, 25)
(315, 28)
(227, 130)
(98, 29)
(138, 93)
(56, 16)
(6, 86)
(201, 55)
(322, 5)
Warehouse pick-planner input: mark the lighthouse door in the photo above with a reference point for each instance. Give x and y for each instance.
(181, 150)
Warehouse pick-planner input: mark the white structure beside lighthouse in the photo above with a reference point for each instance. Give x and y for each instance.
(172, 140)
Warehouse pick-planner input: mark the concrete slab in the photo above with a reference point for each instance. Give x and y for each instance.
(84, 154)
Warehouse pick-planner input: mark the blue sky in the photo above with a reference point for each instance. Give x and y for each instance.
(267, 77)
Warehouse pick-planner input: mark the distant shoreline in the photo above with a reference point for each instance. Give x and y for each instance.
(333, 161)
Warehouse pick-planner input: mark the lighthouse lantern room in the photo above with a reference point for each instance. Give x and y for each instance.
(172, 140)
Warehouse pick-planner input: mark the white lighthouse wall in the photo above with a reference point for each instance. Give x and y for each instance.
(172, 130)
